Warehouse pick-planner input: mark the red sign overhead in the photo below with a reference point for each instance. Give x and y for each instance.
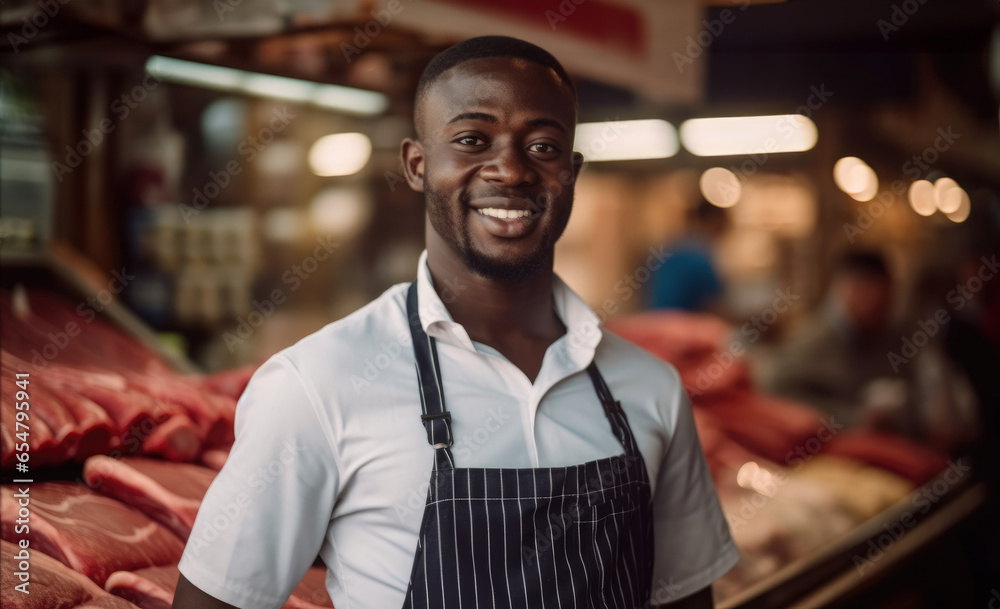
(606, 25)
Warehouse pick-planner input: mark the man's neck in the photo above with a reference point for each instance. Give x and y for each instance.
(492, 311)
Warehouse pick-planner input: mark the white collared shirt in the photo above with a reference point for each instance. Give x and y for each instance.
(331, 457)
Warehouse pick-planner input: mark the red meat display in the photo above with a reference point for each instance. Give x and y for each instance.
(770, 427)
(891, 453)
(229, 383)
(52, 585)
(42, 449)
(168, 492)
(215, 458)
(698, 345)
(95, 427)
(788, 477)
(154, 588)
(88, 532)
(99, 392)
(736, 424)
(94, 389)
(151, 588)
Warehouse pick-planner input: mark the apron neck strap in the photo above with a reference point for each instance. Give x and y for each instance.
(437, 419)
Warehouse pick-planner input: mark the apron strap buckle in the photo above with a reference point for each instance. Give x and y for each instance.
(438, 425)
(612, 406)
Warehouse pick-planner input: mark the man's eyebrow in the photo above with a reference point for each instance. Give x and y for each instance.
(489, 118)
(475, 116)
(547, 122)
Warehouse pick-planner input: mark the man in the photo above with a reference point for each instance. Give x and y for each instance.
(501, 451)
(837, 356)
(688, 279)
(845, 359)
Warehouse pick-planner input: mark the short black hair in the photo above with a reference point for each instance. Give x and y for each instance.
(867, 263)
(489, 46)
(706, 212)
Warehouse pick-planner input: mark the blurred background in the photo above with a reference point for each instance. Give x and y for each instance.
(799, 198)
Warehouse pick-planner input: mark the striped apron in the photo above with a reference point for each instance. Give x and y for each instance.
(575, 536)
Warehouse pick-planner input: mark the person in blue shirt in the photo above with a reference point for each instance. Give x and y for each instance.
(688, 279)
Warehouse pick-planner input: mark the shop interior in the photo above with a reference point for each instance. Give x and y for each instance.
(796, 203)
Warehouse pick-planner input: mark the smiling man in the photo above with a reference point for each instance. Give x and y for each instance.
(509, 453)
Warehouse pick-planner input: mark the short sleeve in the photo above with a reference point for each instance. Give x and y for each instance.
(693, 543)
(266, 514)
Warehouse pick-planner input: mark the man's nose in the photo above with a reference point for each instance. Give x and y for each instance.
(510, 166)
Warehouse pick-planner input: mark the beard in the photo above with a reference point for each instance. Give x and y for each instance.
(452, 224)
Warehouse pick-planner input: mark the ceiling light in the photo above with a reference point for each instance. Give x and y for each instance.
(334, 97)
(279, 87)
(748, 134)
(964, 207)
(626, 140)
(869, 184)
(856, 178)
(194, 73)
(720, 187)
(340, 154)
(921, 195)
(947, 195)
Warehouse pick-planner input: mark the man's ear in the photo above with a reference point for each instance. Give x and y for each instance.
(411, 154)
(577, 164)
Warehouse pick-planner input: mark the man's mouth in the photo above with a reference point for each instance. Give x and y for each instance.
(506, 217)
(506, 214)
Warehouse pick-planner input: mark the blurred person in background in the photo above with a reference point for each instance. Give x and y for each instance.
(688, 279)
(850, 360)
(972, 340)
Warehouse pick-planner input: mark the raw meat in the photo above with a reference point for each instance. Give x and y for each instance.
(153, 588)
(88, 532)
(699, 345)
(46, 409)
(150, 588)
(229, 382)
(113, 345)
(97, 430)
(176, 439)
(87, 358)
(889, 452)
(213, 415)
(724, 456)
(768, 426)
(53, 585)
(133, 413)
(34, 339)
(215, 458)
(128, 410)
(107, 601)
(103, 346)
(170, 493)
(41, 446)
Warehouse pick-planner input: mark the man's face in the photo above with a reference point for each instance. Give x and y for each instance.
(496, 165)
(866, 298)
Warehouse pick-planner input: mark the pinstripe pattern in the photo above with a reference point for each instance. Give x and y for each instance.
(577, 536)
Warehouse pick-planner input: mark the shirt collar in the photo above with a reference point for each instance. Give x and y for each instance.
(583, 326)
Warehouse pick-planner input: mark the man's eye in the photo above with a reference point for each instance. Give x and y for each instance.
(470, 140)
(542, 148)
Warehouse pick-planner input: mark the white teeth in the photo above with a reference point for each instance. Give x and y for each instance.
(505, 214)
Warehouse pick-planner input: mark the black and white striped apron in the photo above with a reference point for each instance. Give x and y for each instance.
(561, 537)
